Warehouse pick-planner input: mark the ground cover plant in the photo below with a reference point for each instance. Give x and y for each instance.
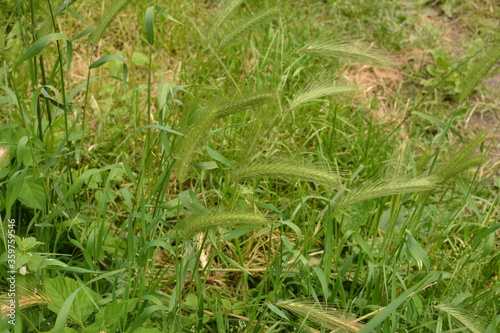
(253, 166)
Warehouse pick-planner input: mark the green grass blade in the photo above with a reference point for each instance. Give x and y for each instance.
(38, 47)
(417, 252)
(149, 21)
(77, 185)
(64, 6)
(430, 118)
(101, 61)
(165, 14)
(66, 307)
(391, 308)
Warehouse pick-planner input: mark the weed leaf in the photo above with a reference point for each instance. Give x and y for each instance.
(33, 194)
(115, 311)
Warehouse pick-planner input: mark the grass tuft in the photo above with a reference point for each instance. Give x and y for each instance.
(129, 202)
(479, 67)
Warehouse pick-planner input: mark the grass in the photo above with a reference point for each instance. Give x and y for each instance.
(252, 166)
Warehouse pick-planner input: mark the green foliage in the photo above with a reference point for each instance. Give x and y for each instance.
(207, 172)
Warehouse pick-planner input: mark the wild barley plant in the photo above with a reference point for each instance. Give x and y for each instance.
(133, 284)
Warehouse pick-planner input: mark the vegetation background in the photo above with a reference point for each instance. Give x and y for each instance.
(251, 166)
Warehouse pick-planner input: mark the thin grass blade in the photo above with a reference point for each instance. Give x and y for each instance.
(39, 46)
(149, 21)
(417, 252)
